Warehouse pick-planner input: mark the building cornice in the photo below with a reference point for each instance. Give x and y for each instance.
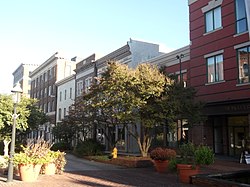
(67, 79)
(191, 1)
(43, 65)
(21, 65)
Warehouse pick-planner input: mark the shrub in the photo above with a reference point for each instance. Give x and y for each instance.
(89, 148)
(162, 154)
(204, 155)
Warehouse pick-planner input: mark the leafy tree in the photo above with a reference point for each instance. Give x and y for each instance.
(28, 114)
(126, 94)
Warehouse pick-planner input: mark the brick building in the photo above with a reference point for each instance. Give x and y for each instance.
(43, 88)
(219, 71)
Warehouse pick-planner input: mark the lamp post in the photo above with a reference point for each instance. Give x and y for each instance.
(17, 90)
(180, 57)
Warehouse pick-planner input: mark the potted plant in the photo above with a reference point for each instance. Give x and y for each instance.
(30, 160)
(191, 159)
(54, 162)
(161, 157)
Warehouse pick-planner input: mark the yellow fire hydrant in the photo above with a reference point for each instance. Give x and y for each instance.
(114, 152)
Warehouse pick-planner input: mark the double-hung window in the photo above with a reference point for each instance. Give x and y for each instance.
(215, 69)
(241, 18)
(213, 19)
(243, 64)
(79, 88)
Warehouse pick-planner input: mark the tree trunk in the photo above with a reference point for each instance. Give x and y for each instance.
(6, 147)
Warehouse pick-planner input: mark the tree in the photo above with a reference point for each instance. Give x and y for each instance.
(126, 94)
(25, 109)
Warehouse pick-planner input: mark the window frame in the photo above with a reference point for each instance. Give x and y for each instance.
(240, 19)
(215, 63)
(213, 19)
(248, 63)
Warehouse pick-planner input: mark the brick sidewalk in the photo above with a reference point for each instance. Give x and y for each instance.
(126, 177)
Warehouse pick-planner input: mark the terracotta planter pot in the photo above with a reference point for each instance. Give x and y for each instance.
(29, 172)
(161, 166)
(185, 171)
(50, 169)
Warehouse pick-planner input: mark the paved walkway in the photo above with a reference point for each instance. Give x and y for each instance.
(81, 172)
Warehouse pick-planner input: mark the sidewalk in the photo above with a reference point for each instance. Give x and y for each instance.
(124, 177)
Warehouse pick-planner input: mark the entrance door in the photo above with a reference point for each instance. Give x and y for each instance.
(237, 140)
(218, 140)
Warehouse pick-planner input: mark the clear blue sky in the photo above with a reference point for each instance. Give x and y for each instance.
(32, 30)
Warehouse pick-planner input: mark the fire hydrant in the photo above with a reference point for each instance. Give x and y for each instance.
(114, 152)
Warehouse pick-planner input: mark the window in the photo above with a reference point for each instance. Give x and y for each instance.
(243, 64)
(88, 84)
(241, 19)
(41, 94)
(70, 93)
(79, 88)
(45, 77)
(45, 92)
(65, 94)
(215, 69)
(53, 106)
(49, 107)
(60, 97)
(64, 112)
(60, 114)
(49, 90)
(213, 19)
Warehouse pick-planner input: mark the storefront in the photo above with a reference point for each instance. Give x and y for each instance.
(229, 124)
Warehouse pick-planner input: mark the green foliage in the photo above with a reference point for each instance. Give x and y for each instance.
(34, 152)
(89, 148)
(204, 155)
(29, 115)
(187, 151)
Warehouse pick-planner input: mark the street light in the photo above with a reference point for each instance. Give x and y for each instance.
(17, 90)
(180, 57)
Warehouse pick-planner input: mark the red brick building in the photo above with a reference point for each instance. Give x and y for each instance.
(219, 70)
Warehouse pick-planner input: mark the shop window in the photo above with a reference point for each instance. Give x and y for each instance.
(243, 64)
(241, 18)
(215, 69)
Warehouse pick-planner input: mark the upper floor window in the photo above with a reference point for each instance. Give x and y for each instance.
(213, 19)
(88, 82)
(243, 64)
(241, 18)
(70, 93)
(60, 114)
(65, 94)
(60, 97)
(215, 69)
(49, 90)
(79, 88)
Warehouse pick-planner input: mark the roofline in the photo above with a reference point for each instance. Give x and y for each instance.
(50, 59)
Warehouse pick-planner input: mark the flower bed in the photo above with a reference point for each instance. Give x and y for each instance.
(127, 161)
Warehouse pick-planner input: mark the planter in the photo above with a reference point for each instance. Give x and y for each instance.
(29, 172)
(50, 169)
(185, 171)
(161, 166)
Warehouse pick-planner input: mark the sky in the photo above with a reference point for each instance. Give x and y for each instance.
(33, 30)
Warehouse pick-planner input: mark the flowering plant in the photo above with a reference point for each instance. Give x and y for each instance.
(162, 154)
